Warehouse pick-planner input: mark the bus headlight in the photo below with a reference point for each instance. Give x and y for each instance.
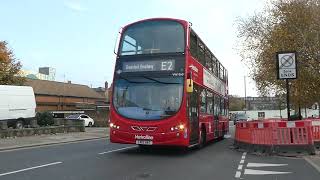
(178, 127)
(114, 126)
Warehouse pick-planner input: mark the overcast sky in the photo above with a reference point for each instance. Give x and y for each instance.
(77, 37)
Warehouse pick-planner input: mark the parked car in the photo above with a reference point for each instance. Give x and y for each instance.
(17, 105)
(241, 117)
(88, 121)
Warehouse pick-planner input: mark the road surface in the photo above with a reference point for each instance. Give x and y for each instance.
(102, 160)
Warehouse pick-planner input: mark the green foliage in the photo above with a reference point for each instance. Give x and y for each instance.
(9, 67)
(236, 103)
(44, 119)
(284, 25)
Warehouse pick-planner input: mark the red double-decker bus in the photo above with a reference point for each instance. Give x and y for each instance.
(168, 87)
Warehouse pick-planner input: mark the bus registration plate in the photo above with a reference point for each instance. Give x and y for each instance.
(144, 142)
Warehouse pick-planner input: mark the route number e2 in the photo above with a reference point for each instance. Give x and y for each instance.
(166, 66)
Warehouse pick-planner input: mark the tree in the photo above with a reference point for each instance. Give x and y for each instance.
(236, 103)
(9, 67)
(284, 25)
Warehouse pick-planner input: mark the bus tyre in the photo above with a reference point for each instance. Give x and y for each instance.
(202, 140)
(19, 124)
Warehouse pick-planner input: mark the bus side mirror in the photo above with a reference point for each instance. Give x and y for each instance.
(189, 85)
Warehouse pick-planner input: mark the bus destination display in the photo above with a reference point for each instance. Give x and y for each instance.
(155, 65)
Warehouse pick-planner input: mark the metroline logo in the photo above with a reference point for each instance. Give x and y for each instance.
(145, 137)
(193, 68)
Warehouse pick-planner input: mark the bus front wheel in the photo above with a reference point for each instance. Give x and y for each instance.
(203, 137)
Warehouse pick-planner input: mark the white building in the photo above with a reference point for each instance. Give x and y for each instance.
(45, 73)
(265, 114)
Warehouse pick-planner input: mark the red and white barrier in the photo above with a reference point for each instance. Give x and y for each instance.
(278, 133)
(316, 130)
(293, 133)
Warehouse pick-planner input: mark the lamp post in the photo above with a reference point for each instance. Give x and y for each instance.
(245, 95)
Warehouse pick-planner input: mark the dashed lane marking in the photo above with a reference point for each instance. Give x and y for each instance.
(240, 166)
(238, 174)
(30, 168)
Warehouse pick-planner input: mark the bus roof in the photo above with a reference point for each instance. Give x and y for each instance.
(183, 22)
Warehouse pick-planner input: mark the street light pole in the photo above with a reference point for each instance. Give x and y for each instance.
(288, 98)
(245, 95)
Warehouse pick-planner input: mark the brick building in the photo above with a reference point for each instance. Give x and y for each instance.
(59, 96)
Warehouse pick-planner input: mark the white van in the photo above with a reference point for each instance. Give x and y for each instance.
(17, 105)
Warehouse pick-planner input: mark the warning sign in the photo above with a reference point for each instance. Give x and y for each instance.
(287, 65)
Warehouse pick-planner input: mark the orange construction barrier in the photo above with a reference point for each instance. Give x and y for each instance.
(293, 133)
(316, 132)
(277, 135)
(261, 133)
(243, 132)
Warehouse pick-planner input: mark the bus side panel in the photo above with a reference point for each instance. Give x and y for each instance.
(223, 125)
(207, 121)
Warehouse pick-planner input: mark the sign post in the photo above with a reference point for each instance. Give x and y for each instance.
(287, 69)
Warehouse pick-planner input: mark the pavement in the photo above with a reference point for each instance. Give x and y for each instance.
(40, 140)
(99, 159)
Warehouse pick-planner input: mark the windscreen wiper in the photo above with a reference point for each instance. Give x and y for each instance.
(129, 80)
(155, 80)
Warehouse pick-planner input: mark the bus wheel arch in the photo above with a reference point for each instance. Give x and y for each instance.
(202, 136)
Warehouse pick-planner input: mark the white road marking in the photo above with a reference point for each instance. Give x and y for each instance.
(52, 144)
(238, 174)
(115, 150)
(240, 166)
(260, 172)
(264, 165)
(30, 168)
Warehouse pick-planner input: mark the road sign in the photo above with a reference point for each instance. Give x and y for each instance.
(286, 65)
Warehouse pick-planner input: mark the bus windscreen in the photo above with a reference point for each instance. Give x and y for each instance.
(146, 98)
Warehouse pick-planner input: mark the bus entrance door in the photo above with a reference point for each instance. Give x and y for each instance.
(193, 113)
